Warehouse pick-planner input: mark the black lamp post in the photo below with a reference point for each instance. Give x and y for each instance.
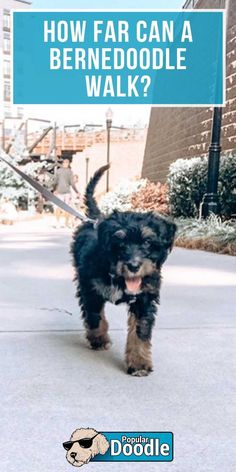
(3, 134)
(55, 142)
(109, 116)
(26, 133)
(87, 169)
(210, 202)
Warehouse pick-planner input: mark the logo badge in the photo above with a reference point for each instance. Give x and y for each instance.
(87, 444)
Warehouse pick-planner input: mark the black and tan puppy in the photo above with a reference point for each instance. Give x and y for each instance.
(119, 259)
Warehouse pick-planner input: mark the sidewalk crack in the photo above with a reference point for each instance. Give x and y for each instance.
(59, 310)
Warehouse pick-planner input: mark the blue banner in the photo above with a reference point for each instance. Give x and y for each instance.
(138, 447)
(81, 57)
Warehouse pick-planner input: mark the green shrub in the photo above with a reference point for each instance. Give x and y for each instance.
(187, 182)
(227, 184)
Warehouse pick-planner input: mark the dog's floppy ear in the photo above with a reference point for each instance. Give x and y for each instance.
(103, 444)
(109, 231)
(104, 235)
(170, 237)
(165, 229)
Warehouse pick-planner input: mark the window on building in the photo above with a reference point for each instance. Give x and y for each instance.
(7, 91)
(7, 111)
(6, 43)
(6, 68)
(20, 112)
(6, 19)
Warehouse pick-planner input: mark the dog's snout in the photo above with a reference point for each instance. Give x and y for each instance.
(73, 455)
(134, 266)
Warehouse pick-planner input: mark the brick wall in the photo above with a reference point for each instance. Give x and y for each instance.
(185, 132)
(126, 162)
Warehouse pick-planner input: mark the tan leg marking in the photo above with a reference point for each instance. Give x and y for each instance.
(138, 352)
(98, 338)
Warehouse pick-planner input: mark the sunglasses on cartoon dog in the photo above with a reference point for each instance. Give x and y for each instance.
(84, 442)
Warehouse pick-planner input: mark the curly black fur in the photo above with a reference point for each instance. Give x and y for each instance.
(119, 260)
(92, 210)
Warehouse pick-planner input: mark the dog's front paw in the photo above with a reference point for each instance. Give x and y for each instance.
(140, 371)
(99, 343)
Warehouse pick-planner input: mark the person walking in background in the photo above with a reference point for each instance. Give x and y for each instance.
(64, 182)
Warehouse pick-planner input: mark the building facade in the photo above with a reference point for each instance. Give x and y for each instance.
(186, 132)
(6, 109)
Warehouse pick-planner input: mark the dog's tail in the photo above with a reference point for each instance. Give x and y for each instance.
(92, 210)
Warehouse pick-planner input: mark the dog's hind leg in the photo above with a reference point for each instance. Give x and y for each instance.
(138, 347)
(95, 321)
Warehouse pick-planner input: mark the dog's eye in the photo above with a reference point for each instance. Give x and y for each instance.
(146, 244)
(85, 443)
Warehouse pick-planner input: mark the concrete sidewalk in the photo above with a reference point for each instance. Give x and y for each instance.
(52, 383)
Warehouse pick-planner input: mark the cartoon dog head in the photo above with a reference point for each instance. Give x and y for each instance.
(84, 444)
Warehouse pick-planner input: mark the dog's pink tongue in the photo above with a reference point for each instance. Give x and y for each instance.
(133, 284)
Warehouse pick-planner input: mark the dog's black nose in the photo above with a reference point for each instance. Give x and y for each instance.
(73, 455)
(133, 266)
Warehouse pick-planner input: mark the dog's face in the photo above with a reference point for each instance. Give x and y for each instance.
(85, 443)
(137, 244)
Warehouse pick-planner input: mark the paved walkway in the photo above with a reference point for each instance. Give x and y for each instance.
(52, 384)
